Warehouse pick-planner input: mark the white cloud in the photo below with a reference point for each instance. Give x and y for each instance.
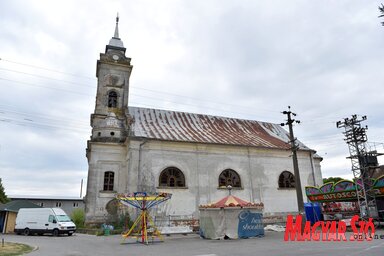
(247, 59)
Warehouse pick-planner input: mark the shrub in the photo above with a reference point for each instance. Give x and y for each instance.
(78, 217)
(124, 221)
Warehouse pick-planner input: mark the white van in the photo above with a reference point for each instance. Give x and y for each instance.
(44, 220)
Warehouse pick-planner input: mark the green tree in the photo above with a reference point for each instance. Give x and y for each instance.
(78, 217)
(381, 9)
(332, 179)
(3, 197)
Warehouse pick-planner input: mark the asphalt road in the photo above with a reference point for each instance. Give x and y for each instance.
(272, 244)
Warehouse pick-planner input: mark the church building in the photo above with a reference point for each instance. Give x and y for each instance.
(195, 157)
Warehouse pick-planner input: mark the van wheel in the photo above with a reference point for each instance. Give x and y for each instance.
(55, 232)
(26, 232)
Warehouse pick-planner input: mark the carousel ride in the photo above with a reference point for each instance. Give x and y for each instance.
(144, 226)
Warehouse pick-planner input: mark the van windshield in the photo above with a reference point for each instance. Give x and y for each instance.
(63, 218)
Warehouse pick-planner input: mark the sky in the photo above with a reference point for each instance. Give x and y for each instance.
(242, 59)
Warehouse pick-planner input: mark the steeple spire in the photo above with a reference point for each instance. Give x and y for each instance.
(115, 42)
(116, 35)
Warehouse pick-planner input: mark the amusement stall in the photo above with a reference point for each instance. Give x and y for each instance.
(231, 218)
(339, 200)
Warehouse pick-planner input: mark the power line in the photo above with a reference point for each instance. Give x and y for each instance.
(134, 87)
(188, 104)
(39, 120)
(203, 100)
(32, 116)
(47, 69)
(312, 120)
(39, 125)
(46, 77)
(137, 88)
(133, 94)
(42, 86)
(306, 139)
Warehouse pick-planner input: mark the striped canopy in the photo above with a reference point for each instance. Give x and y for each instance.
(232, 201)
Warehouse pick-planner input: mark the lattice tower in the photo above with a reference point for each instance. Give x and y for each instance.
(362, 163)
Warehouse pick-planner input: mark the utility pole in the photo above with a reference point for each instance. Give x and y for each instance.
(294, 148)
(81, 188)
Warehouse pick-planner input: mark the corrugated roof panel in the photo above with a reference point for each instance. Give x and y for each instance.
(189, 127)
(180, 126)
(172, 128)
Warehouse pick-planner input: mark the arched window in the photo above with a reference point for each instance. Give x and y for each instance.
(172, 177)
(229, 177)
(112, 99)
(286, 180)
(108, 181)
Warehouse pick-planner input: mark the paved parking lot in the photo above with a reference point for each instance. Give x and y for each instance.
(191, 245)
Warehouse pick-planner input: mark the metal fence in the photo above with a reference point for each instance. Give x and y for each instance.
(177, 220)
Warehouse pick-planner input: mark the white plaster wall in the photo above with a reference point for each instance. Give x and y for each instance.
(201, 165)
(138, 164)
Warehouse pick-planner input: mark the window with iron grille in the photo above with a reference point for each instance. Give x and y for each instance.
(108, 181)
(286, 180)
(229, 177)
(172, 177)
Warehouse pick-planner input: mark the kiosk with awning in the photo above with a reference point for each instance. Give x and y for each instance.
(339, 199)
(231, 218)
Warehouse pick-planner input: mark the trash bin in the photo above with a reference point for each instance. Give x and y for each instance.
(106, 229)
(312, 212)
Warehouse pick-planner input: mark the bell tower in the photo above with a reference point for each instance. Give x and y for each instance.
(106, 151)
(113, 72)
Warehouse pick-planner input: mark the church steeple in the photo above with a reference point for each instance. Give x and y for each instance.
(113, 71)
(115, 42)
(116, 35)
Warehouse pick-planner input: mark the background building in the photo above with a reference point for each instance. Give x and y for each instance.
(68, 204)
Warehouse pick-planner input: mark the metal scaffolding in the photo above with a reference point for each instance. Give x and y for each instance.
(363, 162)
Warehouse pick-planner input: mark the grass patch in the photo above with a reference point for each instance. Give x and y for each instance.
(11, 249)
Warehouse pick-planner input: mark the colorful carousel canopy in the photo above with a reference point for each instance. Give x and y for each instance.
(233, 201)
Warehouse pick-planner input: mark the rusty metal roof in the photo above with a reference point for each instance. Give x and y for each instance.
(188, 127)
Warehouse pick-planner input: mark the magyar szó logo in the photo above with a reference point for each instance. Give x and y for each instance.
(329, 230)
